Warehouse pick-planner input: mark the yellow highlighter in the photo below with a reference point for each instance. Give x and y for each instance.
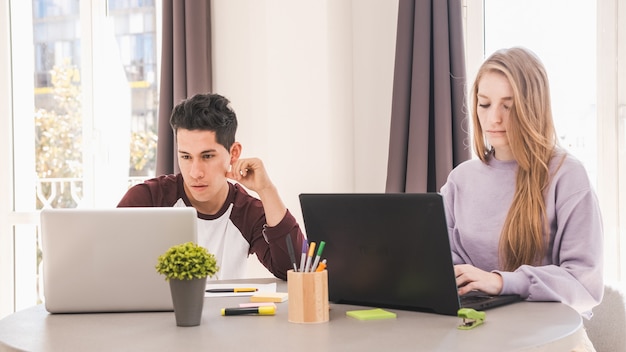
(262, 310)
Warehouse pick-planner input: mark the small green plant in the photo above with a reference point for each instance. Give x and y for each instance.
(187, 261)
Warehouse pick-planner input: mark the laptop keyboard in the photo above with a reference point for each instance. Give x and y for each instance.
(474, 297)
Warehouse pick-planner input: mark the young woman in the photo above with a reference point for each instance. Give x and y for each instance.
(523, 218)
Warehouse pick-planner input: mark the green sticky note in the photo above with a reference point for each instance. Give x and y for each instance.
(371, 314)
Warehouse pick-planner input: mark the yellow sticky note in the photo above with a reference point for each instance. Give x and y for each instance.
(371, 314)
(276, 297)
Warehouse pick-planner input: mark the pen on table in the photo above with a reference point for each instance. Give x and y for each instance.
(236, 289)
(320, 248)
(309, 258)
(292, 255)
(321, 266)
(305, 247)
(263, 310)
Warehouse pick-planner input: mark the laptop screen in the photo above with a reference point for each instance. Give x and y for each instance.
(385, 250)
(103, 260)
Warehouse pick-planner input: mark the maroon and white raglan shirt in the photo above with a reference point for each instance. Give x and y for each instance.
(237, 230)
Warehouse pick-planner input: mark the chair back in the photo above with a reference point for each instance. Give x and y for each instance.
(607, 327)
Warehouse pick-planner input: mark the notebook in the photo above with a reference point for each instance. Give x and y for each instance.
(389, 250)
(103, 260)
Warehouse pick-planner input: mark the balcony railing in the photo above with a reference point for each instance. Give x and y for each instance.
(66, 192)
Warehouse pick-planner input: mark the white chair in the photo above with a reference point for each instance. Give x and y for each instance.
(607, 327)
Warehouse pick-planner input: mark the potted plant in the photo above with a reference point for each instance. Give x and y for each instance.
(186, 267)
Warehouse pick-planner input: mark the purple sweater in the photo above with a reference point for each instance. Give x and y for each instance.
(477, 198)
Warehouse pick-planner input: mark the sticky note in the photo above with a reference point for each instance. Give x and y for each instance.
(371, 314)
(257, 304)
(269, 297)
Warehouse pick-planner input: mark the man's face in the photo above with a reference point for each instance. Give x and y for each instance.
(203, 163)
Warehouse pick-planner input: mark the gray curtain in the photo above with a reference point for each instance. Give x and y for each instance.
(185, 67)
(428, 136)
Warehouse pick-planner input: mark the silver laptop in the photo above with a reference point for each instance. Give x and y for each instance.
(103, 260)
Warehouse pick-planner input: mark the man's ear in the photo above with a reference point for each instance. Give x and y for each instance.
(235, 152)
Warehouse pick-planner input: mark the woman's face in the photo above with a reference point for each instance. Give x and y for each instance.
(495, 101)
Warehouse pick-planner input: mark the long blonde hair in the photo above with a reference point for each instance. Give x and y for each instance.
(532, 140)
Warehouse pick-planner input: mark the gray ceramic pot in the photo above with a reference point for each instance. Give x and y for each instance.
(188, 299)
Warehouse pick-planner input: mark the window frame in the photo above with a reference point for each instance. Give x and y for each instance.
(6, 173)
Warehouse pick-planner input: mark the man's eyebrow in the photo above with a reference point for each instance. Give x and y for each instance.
(202, 152)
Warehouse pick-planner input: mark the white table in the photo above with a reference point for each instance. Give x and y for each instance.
(520, 326)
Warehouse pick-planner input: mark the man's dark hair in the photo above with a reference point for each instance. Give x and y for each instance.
(209, 112)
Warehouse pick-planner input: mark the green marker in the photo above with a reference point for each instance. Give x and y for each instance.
(318, 255)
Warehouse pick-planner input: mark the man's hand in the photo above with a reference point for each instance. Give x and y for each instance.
(250, 173)
(470, 278)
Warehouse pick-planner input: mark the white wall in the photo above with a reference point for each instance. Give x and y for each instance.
(311, 82)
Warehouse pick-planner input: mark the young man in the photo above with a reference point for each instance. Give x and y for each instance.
(231, 223)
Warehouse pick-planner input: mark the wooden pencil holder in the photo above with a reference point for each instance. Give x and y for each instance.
(308, 297)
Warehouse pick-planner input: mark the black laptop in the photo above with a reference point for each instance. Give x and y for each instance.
(389, 250)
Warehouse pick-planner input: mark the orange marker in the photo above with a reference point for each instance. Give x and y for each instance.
(321, 266)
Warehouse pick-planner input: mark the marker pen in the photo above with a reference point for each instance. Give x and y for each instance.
(318, 256)
(292, 254)
(307, 265)
(236, 289)
(321, 266)
(305, 248)
(262, 310)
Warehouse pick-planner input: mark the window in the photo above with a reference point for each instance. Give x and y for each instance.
(82, 118)
(568, 52)
(587, 86)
